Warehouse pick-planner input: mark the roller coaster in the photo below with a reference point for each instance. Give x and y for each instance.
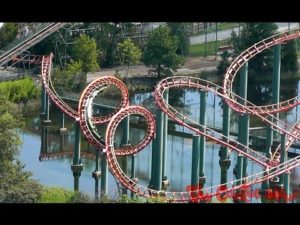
(271, 167)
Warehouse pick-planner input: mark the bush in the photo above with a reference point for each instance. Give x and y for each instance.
(20, 90)
(61, 195)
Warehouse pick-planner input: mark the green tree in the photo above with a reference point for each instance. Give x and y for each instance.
(224, 63)
(15, 183)
(72, 79)
(85, 50)
(251, 34)
(129, 53)
(160, 51)
(289, 59)
(8, 33)
(179, 30)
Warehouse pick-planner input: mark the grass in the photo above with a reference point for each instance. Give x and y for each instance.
(199, 49)
(221, 26)
(224, 26)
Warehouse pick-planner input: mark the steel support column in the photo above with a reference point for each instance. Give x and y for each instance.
(202, 179)
(159, 147)
(77, 166)
(165, 181)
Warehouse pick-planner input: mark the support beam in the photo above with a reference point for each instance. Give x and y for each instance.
(47, 120)
(125, 142)
(243, 131)
(195, 160)
(283, 157)
(275, 95)
(96, 174)
(276, 78)
(43, 103)
(62, 128)
(159, 146)
(202, 178)
(225, 161)
(133, 172)
(165, 182)
(104, 175)
(77, 166)
(153, 164)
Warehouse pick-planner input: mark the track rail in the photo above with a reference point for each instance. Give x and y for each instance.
(19, 46)
(271, 166)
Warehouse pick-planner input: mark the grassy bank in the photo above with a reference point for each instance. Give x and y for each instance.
(199, 49)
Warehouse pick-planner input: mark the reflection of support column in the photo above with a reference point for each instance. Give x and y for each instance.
(283, 157)
(62, 130)
(125, 142)
(96, 174)
(265, 190)
(153, 164)
(284, 179)
(77, 165)
(287, 176)
(62, 142)
(104, 175)
(159, 146)
(202, 177)
(133, 172)
(195, 162)
(165, 181)
(44, 142)
(239, 174)
(225, 161)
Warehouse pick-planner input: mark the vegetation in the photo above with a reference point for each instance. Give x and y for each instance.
(72, 79)
(61, 195)
(224, 63)
(289, 58)
(199, 49)
(8, 33)
(251, 34)
(255, 32)
(129, 53)
(20, 90)
(15, 183)
(160, 52)
(85, 51)
(179, 31)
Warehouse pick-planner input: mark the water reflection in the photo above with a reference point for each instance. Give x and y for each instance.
(48, 154)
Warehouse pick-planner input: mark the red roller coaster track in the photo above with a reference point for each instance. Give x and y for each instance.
(271, 166)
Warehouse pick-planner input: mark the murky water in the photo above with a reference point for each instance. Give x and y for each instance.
(56, 171)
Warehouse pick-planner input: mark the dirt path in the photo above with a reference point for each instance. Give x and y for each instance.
(192, 65)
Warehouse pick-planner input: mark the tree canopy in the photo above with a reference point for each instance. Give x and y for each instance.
(129, 53)
(15, 183)
(85, 50)
(160, 51)
(255, 32)
(8, 33)
(251, 34)
(179, 30)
